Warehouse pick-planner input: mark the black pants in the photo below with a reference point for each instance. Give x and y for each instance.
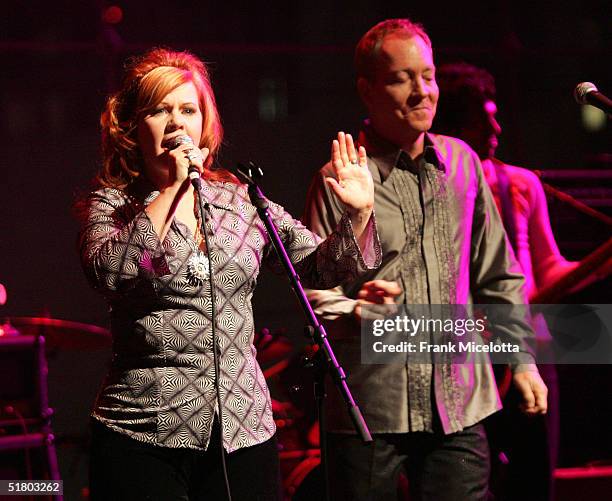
(124, 469)
(530, 444)
(439, 467)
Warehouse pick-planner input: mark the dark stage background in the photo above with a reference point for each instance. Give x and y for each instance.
(283, 77)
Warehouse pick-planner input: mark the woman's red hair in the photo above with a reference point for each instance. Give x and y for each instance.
(147, 81)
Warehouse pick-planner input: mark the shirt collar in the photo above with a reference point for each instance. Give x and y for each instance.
(388, 156)
(143, 190)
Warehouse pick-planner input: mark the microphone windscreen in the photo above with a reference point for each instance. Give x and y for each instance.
(581, 91)
(175, 142)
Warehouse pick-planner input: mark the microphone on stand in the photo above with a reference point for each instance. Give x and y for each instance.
(587, 93)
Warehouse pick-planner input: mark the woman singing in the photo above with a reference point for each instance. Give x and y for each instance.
(165, 408)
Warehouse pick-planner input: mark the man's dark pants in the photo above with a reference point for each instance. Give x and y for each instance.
(439, 467)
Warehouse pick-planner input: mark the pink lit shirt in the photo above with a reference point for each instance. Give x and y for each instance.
(537, 251)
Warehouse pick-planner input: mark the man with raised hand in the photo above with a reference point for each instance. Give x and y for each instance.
(443, 243)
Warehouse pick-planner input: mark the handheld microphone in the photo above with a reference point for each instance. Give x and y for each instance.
(587, 93)
(174, 143)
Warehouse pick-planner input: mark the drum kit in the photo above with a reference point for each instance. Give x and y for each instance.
(42, 362)
(58, 334)
(292, 405)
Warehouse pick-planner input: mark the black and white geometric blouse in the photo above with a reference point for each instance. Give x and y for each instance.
(160, 388)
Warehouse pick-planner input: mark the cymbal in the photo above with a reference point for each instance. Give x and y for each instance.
(64, 334)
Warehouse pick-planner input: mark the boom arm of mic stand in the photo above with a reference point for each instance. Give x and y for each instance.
(576, 204)
(250, 176)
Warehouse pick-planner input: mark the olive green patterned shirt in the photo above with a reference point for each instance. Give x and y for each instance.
(444, 243)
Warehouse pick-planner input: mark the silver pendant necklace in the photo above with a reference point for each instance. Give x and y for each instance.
(198, 264)
(198, 267)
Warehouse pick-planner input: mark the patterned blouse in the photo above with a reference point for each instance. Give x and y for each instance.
(160, 388)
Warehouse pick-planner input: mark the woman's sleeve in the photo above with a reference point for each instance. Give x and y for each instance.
(118, 244)
(323, 264)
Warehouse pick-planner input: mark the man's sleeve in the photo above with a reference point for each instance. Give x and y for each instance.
(322, 213)
(496, 278)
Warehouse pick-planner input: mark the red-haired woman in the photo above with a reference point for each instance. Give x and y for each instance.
(158, 420)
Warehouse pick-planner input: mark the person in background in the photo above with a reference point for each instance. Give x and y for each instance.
(468, 110)
(184, 385)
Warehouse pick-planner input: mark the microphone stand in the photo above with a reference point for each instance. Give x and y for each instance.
(325, 358)
(196, 182)
(571, 201)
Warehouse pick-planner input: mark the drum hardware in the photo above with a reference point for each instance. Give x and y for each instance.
(63, 334)
(272, 345)
(25, 415)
